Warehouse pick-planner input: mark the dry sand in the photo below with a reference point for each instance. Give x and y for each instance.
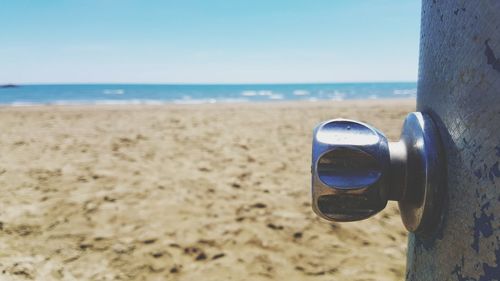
(198, 192)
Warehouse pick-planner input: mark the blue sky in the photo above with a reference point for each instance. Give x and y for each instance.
(208, 41)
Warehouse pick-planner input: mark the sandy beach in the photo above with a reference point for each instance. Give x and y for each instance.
(182, 192)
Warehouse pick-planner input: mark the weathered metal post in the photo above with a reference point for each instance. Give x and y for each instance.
(459, 86)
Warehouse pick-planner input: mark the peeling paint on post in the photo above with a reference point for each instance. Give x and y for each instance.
(459, 85)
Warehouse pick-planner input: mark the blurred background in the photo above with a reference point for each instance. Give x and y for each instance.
(170, 140)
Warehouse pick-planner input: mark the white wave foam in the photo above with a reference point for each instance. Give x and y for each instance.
(205, 101)
(22, 104)
(276, 97)
(265, 93)
(126, 102)
(301, 93)
(249, 93)
(232, 100)
(108, 102)
(337, 95)
(129, 102)
(113, 92)
(405, 92)
(262, 93)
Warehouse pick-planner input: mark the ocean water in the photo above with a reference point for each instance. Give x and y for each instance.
(74, 94)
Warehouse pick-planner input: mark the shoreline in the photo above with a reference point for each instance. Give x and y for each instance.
(281, 103)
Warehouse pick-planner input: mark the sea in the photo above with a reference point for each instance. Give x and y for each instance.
(118, 94)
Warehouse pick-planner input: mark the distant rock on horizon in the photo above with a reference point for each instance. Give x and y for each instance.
(9, 86)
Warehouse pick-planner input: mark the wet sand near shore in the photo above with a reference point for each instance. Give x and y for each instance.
(182, 192)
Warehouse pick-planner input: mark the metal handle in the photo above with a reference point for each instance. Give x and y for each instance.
(355, 171)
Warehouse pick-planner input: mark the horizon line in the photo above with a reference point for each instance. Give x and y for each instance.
(204, 83)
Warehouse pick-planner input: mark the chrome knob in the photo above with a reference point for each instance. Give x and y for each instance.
(355, 171)
(351, 165)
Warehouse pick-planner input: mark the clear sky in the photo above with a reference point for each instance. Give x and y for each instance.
(208, 41)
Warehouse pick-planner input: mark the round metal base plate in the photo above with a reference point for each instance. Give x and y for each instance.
(425, 174)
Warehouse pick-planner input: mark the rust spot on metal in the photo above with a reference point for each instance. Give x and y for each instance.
(482, 226)
(490, 56)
